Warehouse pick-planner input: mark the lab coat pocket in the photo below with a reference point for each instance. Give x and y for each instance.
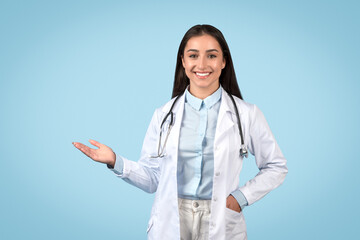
(235, 225)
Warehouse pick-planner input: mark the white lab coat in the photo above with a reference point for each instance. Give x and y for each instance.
(159, 174)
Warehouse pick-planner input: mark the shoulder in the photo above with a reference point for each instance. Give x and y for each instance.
(244, 107)
(250, 113)
(161, 111)
(166, 107)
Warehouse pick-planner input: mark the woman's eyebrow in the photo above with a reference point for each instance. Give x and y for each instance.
(212, 50)
(195, 50)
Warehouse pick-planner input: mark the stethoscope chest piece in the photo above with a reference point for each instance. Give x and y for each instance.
(243, 151)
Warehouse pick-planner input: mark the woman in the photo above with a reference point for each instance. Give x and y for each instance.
(194, 147)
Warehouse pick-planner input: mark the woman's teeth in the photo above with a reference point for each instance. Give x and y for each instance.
(202, 74)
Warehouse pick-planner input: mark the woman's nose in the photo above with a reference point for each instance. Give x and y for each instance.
(202, 62)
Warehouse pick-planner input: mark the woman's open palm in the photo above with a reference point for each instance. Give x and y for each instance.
(104, 154)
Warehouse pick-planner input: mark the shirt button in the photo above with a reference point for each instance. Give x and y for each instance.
(217, 174)
(213, 224)
(195, 204)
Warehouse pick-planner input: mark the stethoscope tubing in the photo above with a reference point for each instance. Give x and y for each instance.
(243, 150)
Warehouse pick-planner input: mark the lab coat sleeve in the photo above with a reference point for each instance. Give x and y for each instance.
(268, 156)
(240, 198)
(144, 174)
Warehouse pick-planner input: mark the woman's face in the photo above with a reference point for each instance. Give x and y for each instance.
(203, 61)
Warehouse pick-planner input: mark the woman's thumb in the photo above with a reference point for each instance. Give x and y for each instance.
(95, 143)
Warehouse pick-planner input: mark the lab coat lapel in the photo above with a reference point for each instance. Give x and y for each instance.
(226, 116)
(178, 111)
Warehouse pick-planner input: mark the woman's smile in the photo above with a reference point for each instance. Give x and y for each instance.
(202, 75)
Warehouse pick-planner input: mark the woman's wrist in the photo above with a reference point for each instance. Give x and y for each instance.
(112, 162)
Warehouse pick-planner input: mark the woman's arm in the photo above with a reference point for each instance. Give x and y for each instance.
(145, 173)
(268, 156)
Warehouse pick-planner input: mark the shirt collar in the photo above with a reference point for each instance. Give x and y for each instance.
(208, 102)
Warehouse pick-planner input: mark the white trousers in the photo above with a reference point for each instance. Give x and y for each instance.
(194, 219)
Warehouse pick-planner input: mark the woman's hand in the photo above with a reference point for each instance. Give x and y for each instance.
(104, 154)
(232, 204)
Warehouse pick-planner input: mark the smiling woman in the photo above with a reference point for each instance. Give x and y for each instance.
(195, 168)
(218, 49)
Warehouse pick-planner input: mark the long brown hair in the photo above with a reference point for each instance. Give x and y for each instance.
(227, 78)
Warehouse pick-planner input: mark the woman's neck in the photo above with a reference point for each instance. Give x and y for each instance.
(203, 93)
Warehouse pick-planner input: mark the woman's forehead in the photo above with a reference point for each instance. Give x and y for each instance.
(203, 42)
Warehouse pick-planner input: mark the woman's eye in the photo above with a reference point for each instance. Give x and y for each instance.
(212, 56)
(192, 56)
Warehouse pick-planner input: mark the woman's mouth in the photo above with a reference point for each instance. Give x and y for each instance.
(202, 75)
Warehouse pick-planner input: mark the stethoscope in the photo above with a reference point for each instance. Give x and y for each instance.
(243, 149)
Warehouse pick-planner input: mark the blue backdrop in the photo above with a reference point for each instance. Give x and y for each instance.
(75, 70)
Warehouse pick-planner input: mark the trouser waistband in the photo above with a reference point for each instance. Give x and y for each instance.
(195, 205)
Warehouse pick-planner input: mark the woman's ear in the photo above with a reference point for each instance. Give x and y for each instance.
(223, 63)
(182, 60)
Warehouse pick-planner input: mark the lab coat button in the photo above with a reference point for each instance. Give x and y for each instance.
(217, 174)
(195, 204)
(215, 199)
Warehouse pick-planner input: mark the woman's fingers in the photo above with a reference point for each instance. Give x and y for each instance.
(104, 154)
(86, 150)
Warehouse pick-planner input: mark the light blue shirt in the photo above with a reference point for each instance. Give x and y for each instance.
(196, 153)
(195, 167)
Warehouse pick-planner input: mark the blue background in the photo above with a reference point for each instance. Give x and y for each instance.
(76, 70)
